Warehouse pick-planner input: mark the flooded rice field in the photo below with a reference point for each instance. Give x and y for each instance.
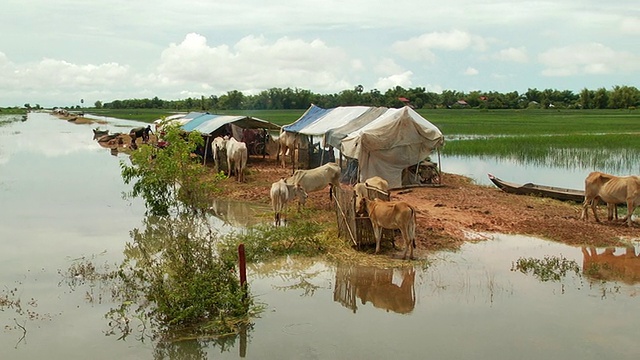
(502, 298)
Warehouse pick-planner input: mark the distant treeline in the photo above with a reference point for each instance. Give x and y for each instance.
(619, 97)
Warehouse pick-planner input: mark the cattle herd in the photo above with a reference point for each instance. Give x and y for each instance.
(399, 215)
(383, 214)
(396, 215)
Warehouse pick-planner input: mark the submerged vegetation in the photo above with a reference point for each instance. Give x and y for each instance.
(551, 268)
(180, 277)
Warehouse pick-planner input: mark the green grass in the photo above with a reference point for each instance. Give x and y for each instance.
(532, 122)
(457, 121)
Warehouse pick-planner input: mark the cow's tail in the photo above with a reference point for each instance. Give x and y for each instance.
(412, 227)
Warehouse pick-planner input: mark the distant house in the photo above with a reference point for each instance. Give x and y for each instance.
(462, 103)
(406, 102)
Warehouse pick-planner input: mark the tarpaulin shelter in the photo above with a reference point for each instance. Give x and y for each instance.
(397, 139)
(317, 121)
(208, 123)
(211, 125)
(383, 140)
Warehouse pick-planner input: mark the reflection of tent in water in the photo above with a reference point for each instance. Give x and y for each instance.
(608, 266)
(388, 289)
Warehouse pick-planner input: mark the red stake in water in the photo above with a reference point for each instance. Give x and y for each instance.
(243, 265)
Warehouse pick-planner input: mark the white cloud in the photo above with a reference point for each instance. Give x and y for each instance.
(591, 59)
(386, 83)
(255, 63)
(471, 71)
(518, 55)
(630, 25)
(422, 47)
(388, 66)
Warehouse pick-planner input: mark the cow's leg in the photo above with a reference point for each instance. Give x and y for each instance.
(630, 208)
(584, 215)
(610, 210)
(377, 233)
(594, 203)
(407, 244)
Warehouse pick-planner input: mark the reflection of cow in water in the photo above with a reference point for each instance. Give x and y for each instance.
(608, 266)
(388, 289)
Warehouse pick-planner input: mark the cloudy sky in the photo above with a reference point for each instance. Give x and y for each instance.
(57, 52)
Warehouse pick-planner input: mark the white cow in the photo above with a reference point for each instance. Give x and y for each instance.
(287, 144)
(281, 194)
(362, 189)
(316, 179)
(237, 155)
(378, 183)
(218, 145)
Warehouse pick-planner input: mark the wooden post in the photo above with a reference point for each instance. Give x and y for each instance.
(242, 264)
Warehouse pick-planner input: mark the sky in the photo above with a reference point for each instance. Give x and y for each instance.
(76, 52)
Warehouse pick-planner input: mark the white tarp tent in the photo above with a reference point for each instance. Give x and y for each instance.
(397, 139)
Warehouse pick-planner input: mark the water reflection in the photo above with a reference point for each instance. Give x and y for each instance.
(387, 289)
(237, 213)
(611, 265)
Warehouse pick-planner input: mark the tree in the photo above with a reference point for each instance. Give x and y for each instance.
(169, 179)
(98, 104)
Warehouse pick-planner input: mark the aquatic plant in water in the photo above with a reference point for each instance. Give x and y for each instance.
(551, 268)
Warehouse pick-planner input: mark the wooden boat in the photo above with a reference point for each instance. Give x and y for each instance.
(539, 190)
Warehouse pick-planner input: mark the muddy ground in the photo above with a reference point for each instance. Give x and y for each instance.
(460, 211)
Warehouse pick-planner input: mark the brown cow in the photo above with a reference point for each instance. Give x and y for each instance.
(612, 190)
(391, 215)
(592, 185)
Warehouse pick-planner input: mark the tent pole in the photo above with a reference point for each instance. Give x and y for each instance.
(206, 149)
(439, 168)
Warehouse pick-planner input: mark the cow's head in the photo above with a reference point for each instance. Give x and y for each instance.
(301, 194)
(361, 206)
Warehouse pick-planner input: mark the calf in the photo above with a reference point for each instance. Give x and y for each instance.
(391, 215)
(316, 179)
(281, 194)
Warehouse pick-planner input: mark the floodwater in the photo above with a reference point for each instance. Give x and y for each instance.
(60, 200)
